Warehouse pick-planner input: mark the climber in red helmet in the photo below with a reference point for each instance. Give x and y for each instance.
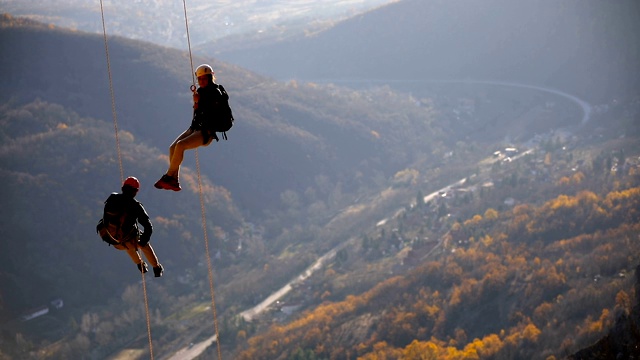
(119, 226)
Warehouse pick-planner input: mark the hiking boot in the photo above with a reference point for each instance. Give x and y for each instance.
(158, 270)
(167, 182)
(143, 267)
(174, 184)
(163, 183)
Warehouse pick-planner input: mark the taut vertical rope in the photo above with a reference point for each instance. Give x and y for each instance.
(209, 264)
(146, 306)
(204, 219)
(186, 25)
(115, 127)
(113, 98)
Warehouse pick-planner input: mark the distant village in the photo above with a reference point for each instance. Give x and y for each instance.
(553, 160)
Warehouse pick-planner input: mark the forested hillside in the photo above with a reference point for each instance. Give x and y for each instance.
(538, 280)
(57, 170)
(334, 131)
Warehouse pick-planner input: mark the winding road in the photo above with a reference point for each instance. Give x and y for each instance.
(586, 107)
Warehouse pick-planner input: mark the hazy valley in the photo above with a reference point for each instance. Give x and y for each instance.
(456, 219)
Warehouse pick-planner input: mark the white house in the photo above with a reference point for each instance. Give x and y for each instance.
(34, 313)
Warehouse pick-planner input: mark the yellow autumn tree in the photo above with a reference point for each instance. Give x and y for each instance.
(531, 333)
(491, 214)
(382, 351)
(491, 345)
(577, 177)
(623, 302)
(563, 181)
(419, 350)
(475, 220)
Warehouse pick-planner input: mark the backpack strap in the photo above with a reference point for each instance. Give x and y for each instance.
(222, 91)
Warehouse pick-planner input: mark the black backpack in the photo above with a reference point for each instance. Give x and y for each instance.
(111, 227)
(224, 118)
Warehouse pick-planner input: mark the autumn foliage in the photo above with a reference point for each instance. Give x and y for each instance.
(538, 281)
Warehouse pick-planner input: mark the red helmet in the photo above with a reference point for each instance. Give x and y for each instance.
(132, 182)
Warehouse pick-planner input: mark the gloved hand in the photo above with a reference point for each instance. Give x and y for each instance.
(144, 239)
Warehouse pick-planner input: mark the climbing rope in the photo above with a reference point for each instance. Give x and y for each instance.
(202, 209)
(115, 127)
(146, 306)
(113, 99)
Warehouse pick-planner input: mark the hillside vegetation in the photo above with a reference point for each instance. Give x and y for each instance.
(334, 131)
(162, 21)
(538, 280)
(307, 168)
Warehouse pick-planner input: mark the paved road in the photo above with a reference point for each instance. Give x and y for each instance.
(586, 107)
(192, 351)
(248, 315)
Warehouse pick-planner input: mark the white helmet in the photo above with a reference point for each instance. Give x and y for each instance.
(204, 69)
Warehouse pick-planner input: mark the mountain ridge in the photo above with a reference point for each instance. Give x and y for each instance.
(542, 43)
(149, 91)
